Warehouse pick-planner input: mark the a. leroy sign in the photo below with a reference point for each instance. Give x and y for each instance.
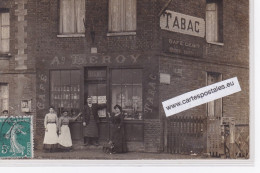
(181, 23)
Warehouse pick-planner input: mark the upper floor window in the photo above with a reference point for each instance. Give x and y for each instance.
(214, 21)
(72, 14)
(122, 15)
(4, 31)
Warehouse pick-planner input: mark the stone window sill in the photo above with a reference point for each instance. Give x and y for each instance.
(216, 43)
(70, 35)
(111, 34)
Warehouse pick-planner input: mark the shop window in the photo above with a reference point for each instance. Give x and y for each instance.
(65, 89)
(127, 92)
(96, 87)
(4, 31)
(4, 96)
(72, 14)
(214, 21)
(122, 15)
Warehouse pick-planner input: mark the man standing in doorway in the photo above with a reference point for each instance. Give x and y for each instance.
(90, 123)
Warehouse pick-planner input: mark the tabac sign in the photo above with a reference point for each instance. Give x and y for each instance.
(181, 23)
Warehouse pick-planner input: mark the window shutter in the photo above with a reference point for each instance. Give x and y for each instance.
(114, 15)
(5, 32)
(4, 94)
(211, 22)
(80, 15)
(68, 16)
(130, 15)
(1, 32)
(122, 15)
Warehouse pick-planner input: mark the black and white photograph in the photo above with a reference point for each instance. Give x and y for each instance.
(125, 79)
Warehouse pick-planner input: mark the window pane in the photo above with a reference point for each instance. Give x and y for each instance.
(102, 99)
(93, 92)
(137, 76)
(75, 89)
(65, 90)
(75, 77)
(116, 97)
(127, 100)
(4, 97)
(5, 45)
(96, 73)
(127, 76)
(137, 99)
(102, 89)
(211, 7)
(116, 76)
(5, 19)
(128, 94)
(55, 89)
(5, 32)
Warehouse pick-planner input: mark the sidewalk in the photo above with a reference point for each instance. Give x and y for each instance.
(96, 153)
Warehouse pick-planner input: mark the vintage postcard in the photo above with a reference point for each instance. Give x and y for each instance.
(124, 79)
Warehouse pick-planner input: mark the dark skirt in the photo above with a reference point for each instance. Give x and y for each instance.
(118, 138)
(50, 146)
(91, 129)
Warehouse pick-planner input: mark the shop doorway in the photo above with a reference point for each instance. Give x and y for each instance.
(95, 86)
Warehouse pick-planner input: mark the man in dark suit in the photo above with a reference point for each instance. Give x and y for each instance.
(90, 123)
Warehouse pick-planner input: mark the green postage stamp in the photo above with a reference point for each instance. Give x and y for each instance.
(16, 137)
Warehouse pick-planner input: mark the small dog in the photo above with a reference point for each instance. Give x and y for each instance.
(109, 147)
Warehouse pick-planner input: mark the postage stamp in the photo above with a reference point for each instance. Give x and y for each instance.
(16, 137)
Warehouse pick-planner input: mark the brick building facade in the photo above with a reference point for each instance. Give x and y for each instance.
(56, 63)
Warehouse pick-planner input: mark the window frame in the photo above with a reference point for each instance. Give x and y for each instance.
(124, 31)
(142, 89)
(57, 109)
(61, 34)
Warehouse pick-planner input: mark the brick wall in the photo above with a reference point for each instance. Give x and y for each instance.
(187, 75)
(45, 51)
(18, 69)
(235, 48)
(152, 135)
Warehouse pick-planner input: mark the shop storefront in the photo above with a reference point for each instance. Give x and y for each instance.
(129, 81)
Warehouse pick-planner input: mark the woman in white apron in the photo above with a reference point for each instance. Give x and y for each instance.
(64, 140)
(51, 127)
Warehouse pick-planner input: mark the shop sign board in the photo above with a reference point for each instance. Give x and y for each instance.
(181, 23)
(183, 46)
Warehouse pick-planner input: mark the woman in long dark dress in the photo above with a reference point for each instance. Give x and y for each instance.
(118, 130)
